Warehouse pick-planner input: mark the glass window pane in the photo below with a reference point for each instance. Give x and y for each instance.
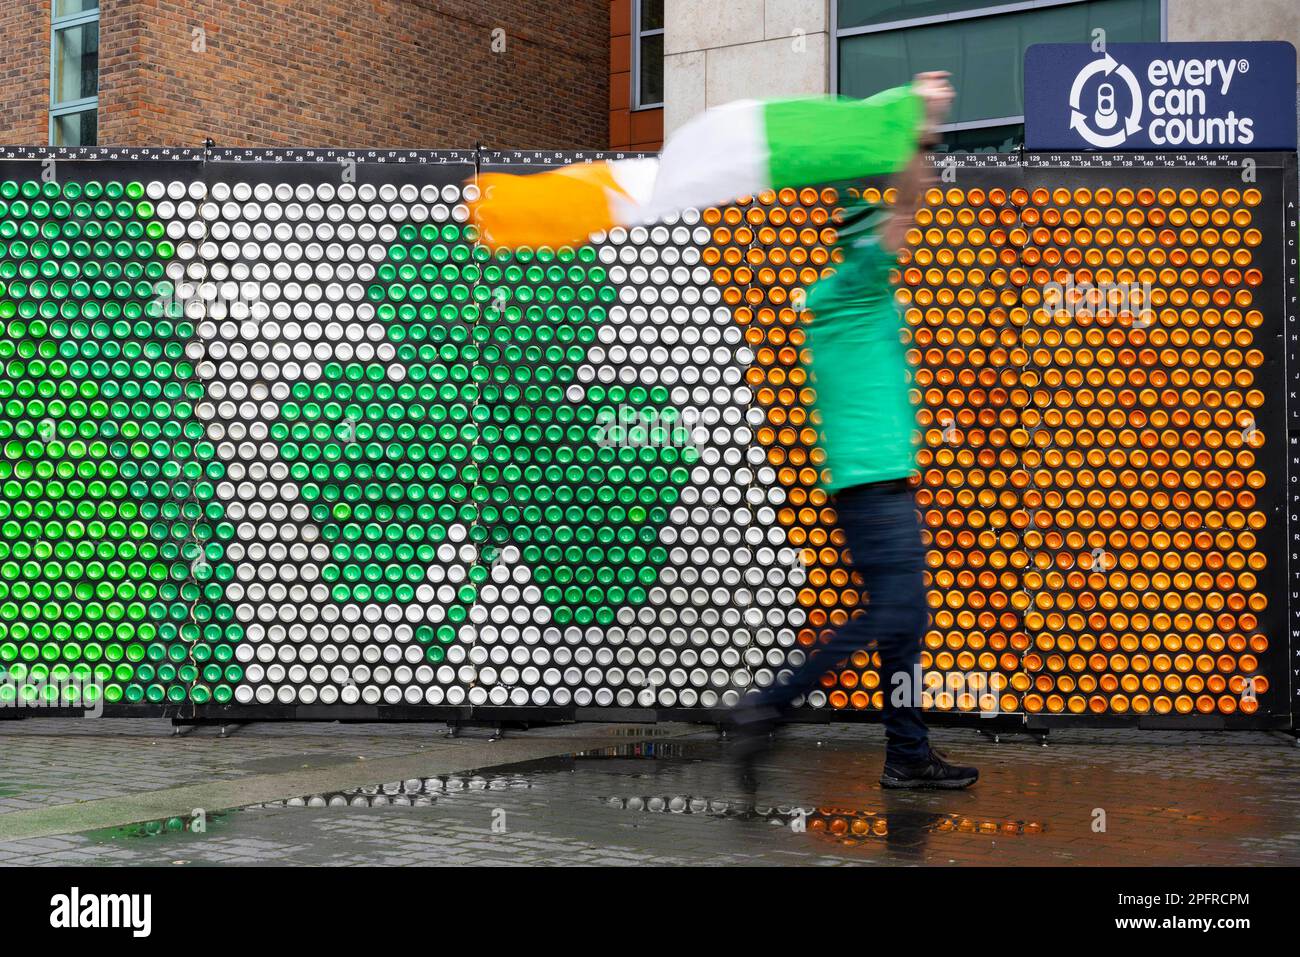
(76, 63)
(985, 55)
(984, 139)
(76, 129)
(63, 8)
(651, 65)
(861, 13)
(652, 14)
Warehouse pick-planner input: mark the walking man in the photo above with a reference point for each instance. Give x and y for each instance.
(858, 362)
(859, 373)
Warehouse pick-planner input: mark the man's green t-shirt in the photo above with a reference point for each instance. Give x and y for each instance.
(858, 362)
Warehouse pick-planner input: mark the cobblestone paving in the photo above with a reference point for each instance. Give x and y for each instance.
(1164, 798)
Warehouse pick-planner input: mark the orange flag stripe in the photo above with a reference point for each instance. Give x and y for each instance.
(559, 206)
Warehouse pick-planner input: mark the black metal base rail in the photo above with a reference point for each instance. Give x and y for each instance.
(468, 715)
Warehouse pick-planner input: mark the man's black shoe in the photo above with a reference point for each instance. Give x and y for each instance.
(750, 733)
(933, 772)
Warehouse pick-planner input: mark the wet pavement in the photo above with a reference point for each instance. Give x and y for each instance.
(671, 796)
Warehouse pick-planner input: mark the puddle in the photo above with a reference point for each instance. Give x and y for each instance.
(414, 792)
(197, 824)
(844, 825)
(898, 827)
(637, 731)
(832, 820)
(647, 749)
(423, 792)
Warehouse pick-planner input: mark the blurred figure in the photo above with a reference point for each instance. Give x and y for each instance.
(740, 149)
(859, 369)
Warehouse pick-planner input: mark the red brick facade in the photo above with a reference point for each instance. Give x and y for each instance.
(360, 73)
(629, 129)
(25, 72)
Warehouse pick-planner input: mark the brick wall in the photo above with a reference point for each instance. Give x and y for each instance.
(25, 71)
(629, 129)
(364, 73)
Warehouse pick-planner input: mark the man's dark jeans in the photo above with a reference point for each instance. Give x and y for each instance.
(879, 522)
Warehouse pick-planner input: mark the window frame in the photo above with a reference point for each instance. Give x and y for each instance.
(62, 108)
(637, 34)
(993, 9)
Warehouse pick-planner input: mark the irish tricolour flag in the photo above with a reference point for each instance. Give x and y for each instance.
(735, 150)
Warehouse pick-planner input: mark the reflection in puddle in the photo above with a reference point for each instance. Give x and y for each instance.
(199, 822)
(843, 825)
(636, 731)
(647, 749)
(413, 792)
(423, 792)
(904, 830)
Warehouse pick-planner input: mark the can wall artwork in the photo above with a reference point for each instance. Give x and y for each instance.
(272, 439)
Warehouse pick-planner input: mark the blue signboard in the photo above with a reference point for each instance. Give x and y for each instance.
(1161, 96)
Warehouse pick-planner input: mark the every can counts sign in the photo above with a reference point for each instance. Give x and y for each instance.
(1160, 96)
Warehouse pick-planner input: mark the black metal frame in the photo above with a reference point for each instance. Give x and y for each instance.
(1038, 725)
(1290, 264)
(225, 164)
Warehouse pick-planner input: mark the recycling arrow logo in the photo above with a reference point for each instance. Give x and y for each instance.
(1105, 129)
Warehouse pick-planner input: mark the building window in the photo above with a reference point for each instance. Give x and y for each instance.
(74, 73)
(647, 54)
(883, 43)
